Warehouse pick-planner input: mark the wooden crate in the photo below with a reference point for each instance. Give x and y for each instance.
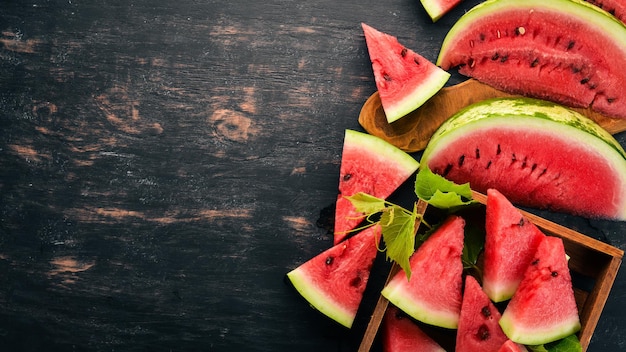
(593, 262)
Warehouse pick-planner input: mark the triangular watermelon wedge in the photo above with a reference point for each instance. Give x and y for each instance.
(478, 324)
(437, 8)
(370, 165)
(405, 80)
(543, 309)
(510, 244)
(433, 293)
(401, 334)
(333, 282)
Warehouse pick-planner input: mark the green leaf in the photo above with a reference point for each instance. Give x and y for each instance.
(473, 245)
(398, 229)
(567, 344)
(439, 192)
(366, 203)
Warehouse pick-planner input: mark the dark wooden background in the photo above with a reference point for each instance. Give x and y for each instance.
(163, 164)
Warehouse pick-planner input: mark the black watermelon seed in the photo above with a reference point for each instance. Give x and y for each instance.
(535, 62)
(461, 160)
(570, 45)
(495, 56)
(486, 312)
(477, 153)
(555, 274)
(584, 80)
(483, 333)
(535, 262)
(387, 77)
(329, 260)
(356, 282)
(403, 52)
(488, 165)
(447, 169)
(347, 177)
(504, 58)
(498, 151)
(521, 222)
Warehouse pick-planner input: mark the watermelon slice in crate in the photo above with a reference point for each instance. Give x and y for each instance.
(593, 266)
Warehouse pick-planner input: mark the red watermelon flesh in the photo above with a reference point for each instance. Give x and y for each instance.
(437, 8)
(433, 293)
(401, 334)
(510, 346)
(370, 165)
(404, 79)
(333, 282)
(559, 50)
(543, 309)
(478, 330)
(511, 241)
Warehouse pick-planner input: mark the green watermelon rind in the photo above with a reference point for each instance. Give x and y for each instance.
(419, 310)
(527, 114)
(526, 107)
(535, 337)
(428, 87)
(318, 300)
(388, 153)
(592, 15)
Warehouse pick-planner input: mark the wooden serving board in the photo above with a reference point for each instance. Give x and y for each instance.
(412, 132)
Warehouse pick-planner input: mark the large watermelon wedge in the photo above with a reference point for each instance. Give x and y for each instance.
(401, 334)
(543, 309)
(370, 165)
(404, 79)
(536, 153)
(511, 241)
(333, 282)
(479, 329)
(565, 51)
(433, 294)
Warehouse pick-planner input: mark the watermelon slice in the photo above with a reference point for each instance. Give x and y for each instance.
(478, 324)
(437, 8)
(404, 79)
(433, 301)
(567, 51)
(401, 334)
(543, 309)
(370, 165)
(511, 241)
(510, 346)
(333, 282)
(537, 153)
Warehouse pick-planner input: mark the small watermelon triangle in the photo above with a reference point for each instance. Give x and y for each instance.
(478, 324)
(405, 79)
(433, 301)
(369, 165)
(401, 334)
(333, 282)
(510, 244)
(543, 309)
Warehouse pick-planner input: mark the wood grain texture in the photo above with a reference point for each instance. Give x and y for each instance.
(166, 163)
